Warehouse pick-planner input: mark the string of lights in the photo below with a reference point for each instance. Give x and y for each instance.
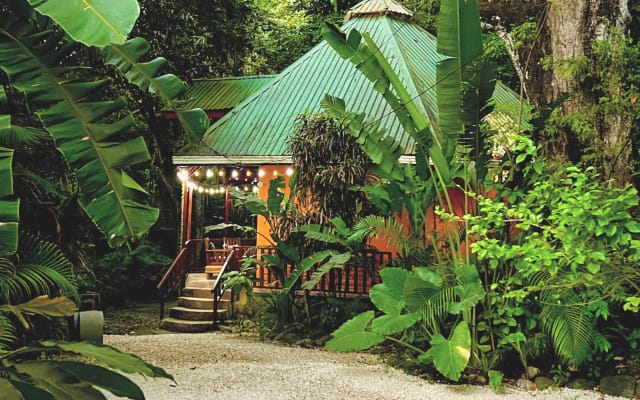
(214, 181)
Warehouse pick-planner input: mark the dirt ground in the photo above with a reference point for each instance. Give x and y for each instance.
(135, 319)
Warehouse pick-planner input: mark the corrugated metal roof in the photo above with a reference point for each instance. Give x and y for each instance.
(223, 93)
(262, 124)
(377, 7)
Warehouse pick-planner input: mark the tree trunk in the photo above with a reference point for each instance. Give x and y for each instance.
(566, 30)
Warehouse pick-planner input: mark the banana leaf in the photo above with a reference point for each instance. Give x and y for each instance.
(92, 135)
(92, 22)
(9, 208)
(461, 76)
(126, 58)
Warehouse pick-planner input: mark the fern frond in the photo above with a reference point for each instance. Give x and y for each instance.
(436, 308)
(571, 331)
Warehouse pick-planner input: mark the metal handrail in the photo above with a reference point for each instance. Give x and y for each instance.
(218, 289)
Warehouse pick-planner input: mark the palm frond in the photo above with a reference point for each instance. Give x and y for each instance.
(8, 334)
(386, 228)
(436, 308)
(40, 269)
(16, 137)
(37, 252)
(571, 331)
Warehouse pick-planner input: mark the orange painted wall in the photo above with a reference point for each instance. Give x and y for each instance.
(266, 173)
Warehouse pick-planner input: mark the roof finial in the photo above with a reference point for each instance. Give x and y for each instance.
(376, 8)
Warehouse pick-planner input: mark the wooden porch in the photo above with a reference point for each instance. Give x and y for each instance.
(196, 275)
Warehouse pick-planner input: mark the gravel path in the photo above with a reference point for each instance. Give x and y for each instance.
(226, 366)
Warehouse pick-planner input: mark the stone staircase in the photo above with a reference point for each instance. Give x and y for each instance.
(194, 310)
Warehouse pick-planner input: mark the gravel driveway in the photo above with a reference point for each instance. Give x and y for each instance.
(227, 366)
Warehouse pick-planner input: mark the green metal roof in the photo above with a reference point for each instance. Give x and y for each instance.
(261, 125)
(223, 93)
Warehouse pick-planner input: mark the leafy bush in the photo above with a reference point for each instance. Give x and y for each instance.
(124, 275)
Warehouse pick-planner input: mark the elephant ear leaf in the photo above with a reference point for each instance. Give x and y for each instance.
(92, 136)
(451, 356)
(353, 336)
(9, 207)
(92, 22)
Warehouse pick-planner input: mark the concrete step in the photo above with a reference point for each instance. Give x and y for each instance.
(191, 314)
(195, 302)
(213, 269)
(179, 325)
(195, 277)
(201, 283)
(197, 292)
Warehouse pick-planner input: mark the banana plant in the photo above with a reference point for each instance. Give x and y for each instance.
(126, 58)
(93, 134)
(464, 89)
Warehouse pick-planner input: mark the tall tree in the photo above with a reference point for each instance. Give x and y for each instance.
(573, 57)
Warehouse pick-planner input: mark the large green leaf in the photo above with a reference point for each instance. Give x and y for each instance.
(92, 22)
(388, 296)
(9, 392)
(26, 391)
(451, 357)
(102, 354)
(126, 57)
(352, 336)
(9, 208)
(41, 305)
(460, 39)
(61, 384)
(469, 289)
(103, 378)
(390, 324)
(89, 134)
(275, 195)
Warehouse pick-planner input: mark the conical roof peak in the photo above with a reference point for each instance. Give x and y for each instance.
(377, 7)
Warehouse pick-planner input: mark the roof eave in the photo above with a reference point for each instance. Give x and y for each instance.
(251, 160)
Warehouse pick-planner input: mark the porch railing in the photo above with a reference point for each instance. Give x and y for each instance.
(187, 260)
(352, 279)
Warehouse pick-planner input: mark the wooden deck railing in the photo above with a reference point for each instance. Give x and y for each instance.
(186, 261)
(352, 279)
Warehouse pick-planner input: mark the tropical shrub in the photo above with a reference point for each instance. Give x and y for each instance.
(124, 275)
(559, 258)
(330, 165)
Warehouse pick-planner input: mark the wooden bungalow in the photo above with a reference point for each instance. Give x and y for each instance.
(247, 146)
